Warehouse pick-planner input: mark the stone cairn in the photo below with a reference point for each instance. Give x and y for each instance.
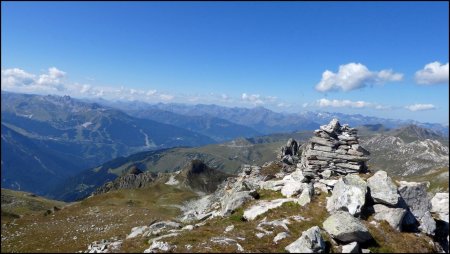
(333, 150)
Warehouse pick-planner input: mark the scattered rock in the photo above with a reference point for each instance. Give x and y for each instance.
(229, 228)
(263, 206)
(227, 241)
(310, 241)
(137, 231)
(346, 228)
(305, 197)
(159, 246)
(280, 236)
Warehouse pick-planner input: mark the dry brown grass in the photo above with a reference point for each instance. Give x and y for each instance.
(388, 240)
(199, 238)
(100, 217)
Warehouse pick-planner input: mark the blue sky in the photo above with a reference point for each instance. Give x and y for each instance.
(272, 54)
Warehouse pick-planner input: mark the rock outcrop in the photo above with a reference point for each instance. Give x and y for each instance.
(134, 178)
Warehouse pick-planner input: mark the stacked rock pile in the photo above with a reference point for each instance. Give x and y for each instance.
(334, 149)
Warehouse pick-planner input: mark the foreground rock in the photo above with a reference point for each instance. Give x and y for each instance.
(414, 196)
(394, 216)
(310, 241)
(439, 205)
(344, 227)
(351, 248)
(383, 189)
(349, 194)
(158, 246)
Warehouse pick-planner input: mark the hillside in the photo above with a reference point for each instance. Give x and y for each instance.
(56, 137)
(276, 207)
(16, 204)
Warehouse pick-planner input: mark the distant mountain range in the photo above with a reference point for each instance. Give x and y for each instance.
(48, 141)
(266, 121)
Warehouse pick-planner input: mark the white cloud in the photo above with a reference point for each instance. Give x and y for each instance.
(420, 107)
(151, 92)
(16, 77)
(254, 99)
(353, 76)
(433, 73)
(54, 82)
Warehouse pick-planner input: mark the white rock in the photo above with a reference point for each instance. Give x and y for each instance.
(263, 206)
(352, 247)
(349, 194)
(229, 228)
(157, 245)
(227, 241)
(292, 188)
(137, 231)
(280, 236)
(305, 197)
(439, 205)
(310, 241)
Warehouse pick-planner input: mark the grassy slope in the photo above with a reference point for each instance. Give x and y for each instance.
(18, 203)
(100, 217)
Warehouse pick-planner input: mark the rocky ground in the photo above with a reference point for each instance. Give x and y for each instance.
(318, 197)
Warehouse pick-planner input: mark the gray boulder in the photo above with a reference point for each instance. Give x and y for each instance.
(383, 189)
(310, 241)
(439, 205)
(344, 227)
(349, 194)
(394, 216)
(414, 196)
(235, 200)
(305, 197)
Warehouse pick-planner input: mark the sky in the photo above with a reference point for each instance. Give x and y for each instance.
(384, 59)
